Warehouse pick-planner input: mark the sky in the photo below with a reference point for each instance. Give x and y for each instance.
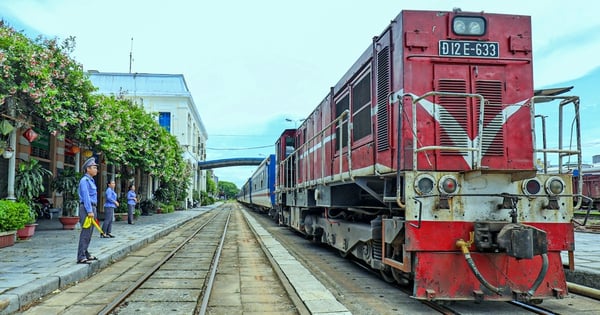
(255, 68)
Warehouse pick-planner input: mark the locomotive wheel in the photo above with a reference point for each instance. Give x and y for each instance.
(399, 277)
(387, 275)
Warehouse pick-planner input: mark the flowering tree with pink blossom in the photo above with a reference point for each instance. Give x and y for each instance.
(39, 78)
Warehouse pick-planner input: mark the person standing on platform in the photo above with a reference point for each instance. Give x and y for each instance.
(109, 209)
(131, 201)
(88, 199)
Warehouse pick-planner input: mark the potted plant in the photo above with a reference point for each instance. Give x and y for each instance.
(121, 212)
(13, 216)
(28, 230)
(29, 184)
(67, 184)
(148, 207)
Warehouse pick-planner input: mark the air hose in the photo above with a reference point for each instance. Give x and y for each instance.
(464, 246)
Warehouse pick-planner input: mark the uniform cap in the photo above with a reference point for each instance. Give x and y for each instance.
(89, 162)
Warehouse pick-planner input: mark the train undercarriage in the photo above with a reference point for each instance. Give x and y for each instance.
(442, 260)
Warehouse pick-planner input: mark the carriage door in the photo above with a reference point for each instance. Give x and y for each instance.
(458, 116)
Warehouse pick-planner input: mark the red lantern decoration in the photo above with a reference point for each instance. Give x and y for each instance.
(30, 135)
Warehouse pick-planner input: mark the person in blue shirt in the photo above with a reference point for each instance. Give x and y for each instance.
(109, 209)
(131, 201)
(88, 199)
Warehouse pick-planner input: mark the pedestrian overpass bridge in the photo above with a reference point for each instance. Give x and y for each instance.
(204, 165)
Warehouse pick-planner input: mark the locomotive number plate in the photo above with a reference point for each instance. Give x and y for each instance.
(461, 48)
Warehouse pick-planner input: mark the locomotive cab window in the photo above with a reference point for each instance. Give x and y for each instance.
(469, 25)
(361, 108)
(341, 130)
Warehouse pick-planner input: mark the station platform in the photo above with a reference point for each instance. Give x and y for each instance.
(33, 268)
(36, 267)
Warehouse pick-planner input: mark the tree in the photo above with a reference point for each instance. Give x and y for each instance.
(229, 189)
(211, 187)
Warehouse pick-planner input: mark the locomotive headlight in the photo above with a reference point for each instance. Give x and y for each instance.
(459, 26)
(555, 186)
(532, 186)
(424, 184)
(468, 25)
(448, 185)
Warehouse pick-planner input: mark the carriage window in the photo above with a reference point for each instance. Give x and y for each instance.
(361, 108)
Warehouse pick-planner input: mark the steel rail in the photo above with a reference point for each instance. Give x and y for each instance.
(213, 270)
(125, 294)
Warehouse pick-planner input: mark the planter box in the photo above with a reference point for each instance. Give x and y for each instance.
(7, 238)
(69, 223)
(26, 232)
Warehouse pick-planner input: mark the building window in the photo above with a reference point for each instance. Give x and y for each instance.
(164, 120)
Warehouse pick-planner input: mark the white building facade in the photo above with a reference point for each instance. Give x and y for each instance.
(169, 97)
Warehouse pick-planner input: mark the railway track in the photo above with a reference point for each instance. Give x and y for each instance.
(187, 263)
(177, 274)
(362, 291)
(212, 264)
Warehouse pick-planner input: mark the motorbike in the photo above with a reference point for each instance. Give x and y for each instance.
(42, 207)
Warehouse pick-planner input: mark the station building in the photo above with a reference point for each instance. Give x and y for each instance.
(169, 97)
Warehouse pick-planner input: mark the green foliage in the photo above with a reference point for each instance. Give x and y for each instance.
(39, 78)
(211, 187)
(172, 191)
(167, 208)
(206, 199)
(148, 206)
(13, 215)
(122, 208)
(229, 189)
(29, 184)
(150, 147)
(67, 183)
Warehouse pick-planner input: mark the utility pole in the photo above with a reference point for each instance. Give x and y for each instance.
(131, 55)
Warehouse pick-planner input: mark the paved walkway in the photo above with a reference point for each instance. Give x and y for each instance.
(34, 268)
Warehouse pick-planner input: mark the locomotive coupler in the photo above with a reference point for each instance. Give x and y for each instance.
(517, 240)
(522, 241)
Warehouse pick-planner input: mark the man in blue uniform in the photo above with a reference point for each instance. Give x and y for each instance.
(88, 200)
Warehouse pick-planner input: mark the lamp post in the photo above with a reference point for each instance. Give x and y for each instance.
(295, 121)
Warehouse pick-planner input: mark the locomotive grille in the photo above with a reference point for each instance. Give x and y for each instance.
(454, 118)
(383, 89)
(493, 136)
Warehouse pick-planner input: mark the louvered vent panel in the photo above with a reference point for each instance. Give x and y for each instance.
(493, 120)
(383, 90)
(453, 116)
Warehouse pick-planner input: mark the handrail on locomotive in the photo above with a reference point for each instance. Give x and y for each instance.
(562, 152)
(305, 149)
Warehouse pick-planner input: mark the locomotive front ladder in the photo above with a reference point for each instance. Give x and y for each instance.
(562, 151)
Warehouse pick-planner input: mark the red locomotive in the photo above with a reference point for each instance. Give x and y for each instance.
(420, 162)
